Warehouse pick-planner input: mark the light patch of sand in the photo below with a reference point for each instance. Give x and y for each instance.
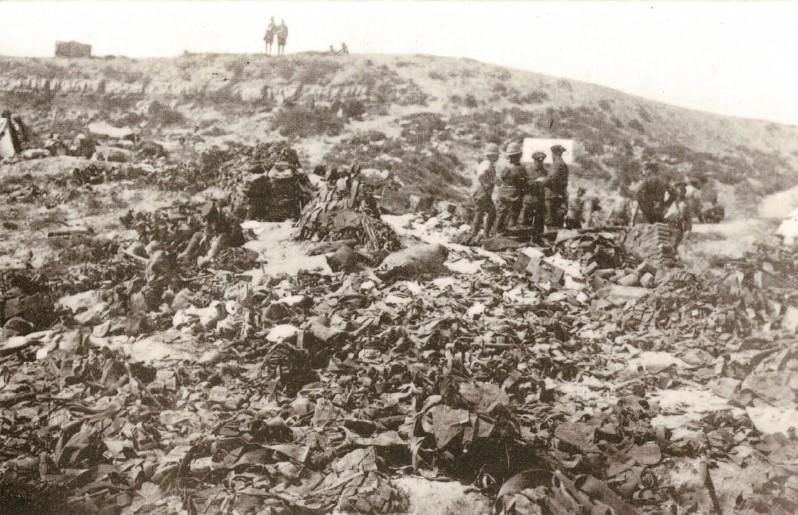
(279, 252)
(779, 205)
(681, 406)
(441, 498)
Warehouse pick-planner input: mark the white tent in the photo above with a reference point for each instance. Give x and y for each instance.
(6, 143)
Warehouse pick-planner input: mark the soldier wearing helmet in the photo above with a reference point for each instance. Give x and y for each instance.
(512, 184)
(482, 194)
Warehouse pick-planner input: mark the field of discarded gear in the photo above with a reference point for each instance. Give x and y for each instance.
(298, 323)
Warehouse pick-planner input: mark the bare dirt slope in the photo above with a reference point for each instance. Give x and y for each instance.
(424, 117)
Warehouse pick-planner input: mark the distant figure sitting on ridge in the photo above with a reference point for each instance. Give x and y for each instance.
(271, 31)
(282, 37)
(344, 50)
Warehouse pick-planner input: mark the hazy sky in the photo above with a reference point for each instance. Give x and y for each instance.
(737, 58)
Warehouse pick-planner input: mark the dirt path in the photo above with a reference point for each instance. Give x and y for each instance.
(712, 243)
(779, 205)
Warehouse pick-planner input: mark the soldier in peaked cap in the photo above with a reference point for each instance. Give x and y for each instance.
(512, 184)
(556, 186)
(482, 193)
(533, 205)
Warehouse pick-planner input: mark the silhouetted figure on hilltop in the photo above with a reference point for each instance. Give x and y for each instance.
(282, 37)
(271, 31)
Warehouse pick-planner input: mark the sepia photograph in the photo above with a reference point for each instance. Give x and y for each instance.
(398, 257)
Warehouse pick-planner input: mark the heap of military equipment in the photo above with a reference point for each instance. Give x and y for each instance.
(345, 208)
(269, 182)
(652, 243)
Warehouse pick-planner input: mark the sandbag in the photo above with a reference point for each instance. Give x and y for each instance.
(500, 243)
(35, 153)
(414, 261)
(36, 309)
(158, 266)
(343, 260)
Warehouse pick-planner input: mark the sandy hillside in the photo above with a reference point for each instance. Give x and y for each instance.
(423, 117)
(160, 355)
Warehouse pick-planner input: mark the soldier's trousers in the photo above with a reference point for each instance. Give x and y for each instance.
(573, 223)
(483, 210)
(506, 212)
(555, 211)
(677, 233)
(652, 214)
(533, 212)
(526, 216)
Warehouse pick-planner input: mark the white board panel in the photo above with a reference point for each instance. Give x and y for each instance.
(532, 145)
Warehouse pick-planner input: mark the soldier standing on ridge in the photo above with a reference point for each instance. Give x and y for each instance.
(512, 183)
(282, 37)
(483, 192)
(533, 206)
(556, 184)
(271, 31)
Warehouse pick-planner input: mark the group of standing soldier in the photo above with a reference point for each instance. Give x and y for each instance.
(514, 195)
(276, 31)
(537, 198)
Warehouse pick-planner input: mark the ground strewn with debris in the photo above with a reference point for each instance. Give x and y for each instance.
(572, 378)
(189, 327)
